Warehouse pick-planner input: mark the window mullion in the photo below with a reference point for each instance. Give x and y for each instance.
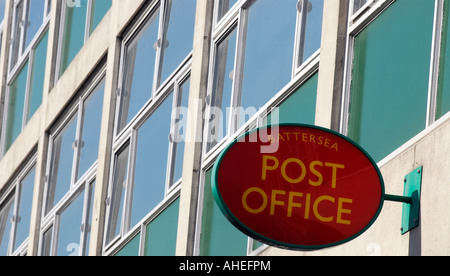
(435, 60)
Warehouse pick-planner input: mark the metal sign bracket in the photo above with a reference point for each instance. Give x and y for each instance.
(410, 200)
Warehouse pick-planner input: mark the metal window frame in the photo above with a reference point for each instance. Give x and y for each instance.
(50, 218)
(15, 191)
(357, 23)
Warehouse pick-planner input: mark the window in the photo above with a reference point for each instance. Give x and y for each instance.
(299, 107)
(27, 67)
(152, 54)
(148, 163)
(358, 4)
(257, 53)
(79, 18)
(443, 89)
(15, 213)
(70, 178)
(389, 81)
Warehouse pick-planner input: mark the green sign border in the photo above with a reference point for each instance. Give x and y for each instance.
(256, 236)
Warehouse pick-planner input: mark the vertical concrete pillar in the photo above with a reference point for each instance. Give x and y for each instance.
(193, 144)
(331, 67)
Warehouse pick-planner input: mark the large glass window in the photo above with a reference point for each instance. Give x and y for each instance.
(15, 213)
(74, 147)
(148, 164)
(443, 92)
(153, 53)
(29, 40)
(389, 88)
(256, 55)
(70, 179)
(78, 21)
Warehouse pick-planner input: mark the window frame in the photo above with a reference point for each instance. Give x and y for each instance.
(24, 56)
(155, 9)
(232, 20)
(61, 26)
(51, 217)
(128, 138)
(237, 19)
(357, 23)
(14, 193)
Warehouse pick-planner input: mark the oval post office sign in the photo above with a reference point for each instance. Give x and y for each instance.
(298, 186)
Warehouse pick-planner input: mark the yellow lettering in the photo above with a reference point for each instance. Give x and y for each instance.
(341, 211)
(248, 208)
(316, 173)
(286, 177)
(334, 172)
(292, 204)
(274, 200)
(335, 146)
(266, 167)
(316, 207)
(307, 205)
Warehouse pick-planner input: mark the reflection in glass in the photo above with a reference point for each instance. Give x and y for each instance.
(61, 164)
(116, 200)
(24, 208)
(16, 101)
(268, 53)
(6, 214)
(223, 7)
(151, 162)
(178, 35)
(138, 73)
(222, 89)
(88, 145)
(35, 19)
(69, 228)
(180, 132)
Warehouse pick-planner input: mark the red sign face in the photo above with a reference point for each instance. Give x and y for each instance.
(298, 186)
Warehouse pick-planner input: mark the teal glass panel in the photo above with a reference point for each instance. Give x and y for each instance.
(92, 119)
(218, 237)
(70, 228)
(300, 106)
(37, 76)
(268, 52)
(388, 103)
(73, 33)
(61, 164)
(99, 9)
(161, 234)
(178, 35)
(138, 72)
(16, 101)
(151, 161)
(6, 214)
(443, 96)
(24, 208)
(131, 248)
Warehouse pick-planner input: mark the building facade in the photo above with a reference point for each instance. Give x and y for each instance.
(113, 113)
